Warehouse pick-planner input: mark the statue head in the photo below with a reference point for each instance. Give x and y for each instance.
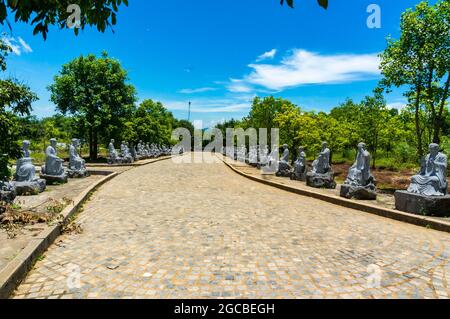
(53, 142)
(75, 142)
(285, 147)
(301, 149)
(362, 146)
(25, 145)
(434, 149)
(112, 141)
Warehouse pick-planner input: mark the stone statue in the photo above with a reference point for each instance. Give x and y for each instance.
(113, 156)
(77, 165)
(53, 170)
(25, 180)
(322, 175)
(125, 153)
(253, 156)
(242, 153)
(284, 169)
(428, 192)
(322, 164)
(432, 178)
(360, 183)
(263, 156)
(7, 194)
(300, 168)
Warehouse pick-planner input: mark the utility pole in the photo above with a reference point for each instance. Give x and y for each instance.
(189, 113)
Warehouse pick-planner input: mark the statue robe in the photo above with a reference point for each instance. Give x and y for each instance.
(53, 164)
(432, 179)
(322, 164)
(359, 173)
(75, 162)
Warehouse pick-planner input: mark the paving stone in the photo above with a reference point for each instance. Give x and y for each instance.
(202, 231)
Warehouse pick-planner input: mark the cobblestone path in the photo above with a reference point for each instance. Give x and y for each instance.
(202, 231)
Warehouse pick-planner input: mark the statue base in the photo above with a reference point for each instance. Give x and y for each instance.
(438, 206)
(30, 188)
(78, 174)
(298, 177)
(321, 180)
(8, 196)
(359, 192)
(52, 179)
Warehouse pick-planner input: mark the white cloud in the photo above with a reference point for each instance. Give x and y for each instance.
(267, 55)
(199, 90)
(26, 47)
(227, 105)
(396, 105)
(239, 86)
(302, 67)
(17, 45)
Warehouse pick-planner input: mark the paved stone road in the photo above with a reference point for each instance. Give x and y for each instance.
(202, 231)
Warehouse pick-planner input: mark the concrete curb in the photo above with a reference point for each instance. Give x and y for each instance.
(135, 164)
(367, 208)
(16, 270)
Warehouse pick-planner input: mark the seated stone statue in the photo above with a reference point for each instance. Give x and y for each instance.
(7, 194)
(242, 152)
(253, 156)
(284, 169)
(125, 153)
(432, 178)
(263, 152)
(428, 193)
(53, 170)
(300, 168)
(77, 165)
(360, 183)
(25, 180)
(322, 164)
(321, 175)
(113, 156)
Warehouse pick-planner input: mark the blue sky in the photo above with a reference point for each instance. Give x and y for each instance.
(220, 54)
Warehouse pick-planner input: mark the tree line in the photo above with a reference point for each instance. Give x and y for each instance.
(418, 63)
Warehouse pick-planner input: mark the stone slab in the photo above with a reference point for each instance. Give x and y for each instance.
(30, 188)
(438, 206)
(51, 180)
(358, 192)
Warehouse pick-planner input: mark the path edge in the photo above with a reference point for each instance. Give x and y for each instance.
(417, 220)
(14, 272)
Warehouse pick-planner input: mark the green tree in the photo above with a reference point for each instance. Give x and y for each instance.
(373, 120)
(15, 99)
(420, 60)
(41, 14)
(95, 91)
(153, 123)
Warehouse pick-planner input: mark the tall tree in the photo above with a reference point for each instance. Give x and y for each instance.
(95, 90)
(420, 59)
(41, 14)
(15, 99)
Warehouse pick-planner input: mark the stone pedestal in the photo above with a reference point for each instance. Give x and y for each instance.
(321, 180)
(298, 176)
(30, 188)
(78, 174)
(438, 206)
(51, 179)
(8, 196)
(358, 192)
